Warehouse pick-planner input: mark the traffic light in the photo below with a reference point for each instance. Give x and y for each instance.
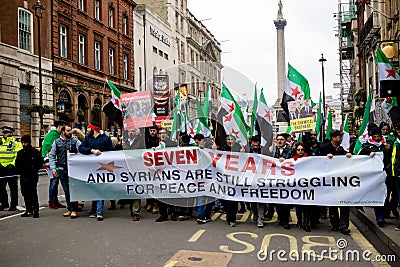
(390, 88)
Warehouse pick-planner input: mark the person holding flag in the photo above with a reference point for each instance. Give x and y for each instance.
(113, 108)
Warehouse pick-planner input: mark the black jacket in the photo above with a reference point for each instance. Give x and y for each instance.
(28, 162)
(367, 148)
(328, 148)
(138, 143)
(235, 148)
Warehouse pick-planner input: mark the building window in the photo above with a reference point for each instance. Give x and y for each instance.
(182, 51)
(140, 77)
(97, 9)
(125, 24)
(81, 5)
(177, 20)
(160, 52)
(166, 56)
(178, 48)
(63, 41)
(25, 101)
(181, 24)
(155, 49)
(81, 49)
(25, 30)
(125, 65)
(111, 60)
(111, 17)
(97, 55)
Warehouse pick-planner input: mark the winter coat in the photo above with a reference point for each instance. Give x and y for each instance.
(102, 143)
(28, 162)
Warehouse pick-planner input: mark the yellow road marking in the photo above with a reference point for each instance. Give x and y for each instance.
(364, 244)
(171, 264)
(215, 216)
(196, 236)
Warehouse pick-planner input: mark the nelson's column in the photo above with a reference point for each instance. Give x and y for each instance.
(280, 24)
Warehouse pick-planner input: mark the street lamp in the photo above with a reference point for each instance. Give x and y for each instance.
(322, 60)
(38, 7)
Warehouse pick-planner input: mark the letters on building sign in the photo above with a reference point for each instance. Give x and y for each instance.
(160, 37)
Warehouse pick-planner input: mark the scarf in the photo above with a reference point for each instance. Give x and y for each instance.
(378, 144)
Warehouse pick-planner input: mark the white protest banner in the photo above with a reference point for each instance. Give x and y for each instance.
(191, 172)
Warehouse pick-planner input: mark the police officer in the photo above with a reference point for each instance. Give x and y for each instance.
(8, 174)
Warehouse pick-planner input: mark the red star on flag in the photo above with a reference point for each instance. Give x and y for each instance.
(391, 73)
(236, 134)
(191, 131)
(116, 102)
(228, 117)
(231, 107)
(267, 115)
(295, 91)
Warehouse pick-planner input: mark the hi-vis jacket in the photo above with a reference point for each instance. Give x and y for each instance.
(8, 150)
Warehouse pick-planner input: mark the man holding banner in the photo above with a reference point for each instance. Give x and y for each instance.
(330, 149)
(282, 151)
(95, 143)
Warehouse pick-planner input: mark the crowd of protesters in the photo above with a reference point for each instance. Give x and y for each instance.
(20, 158)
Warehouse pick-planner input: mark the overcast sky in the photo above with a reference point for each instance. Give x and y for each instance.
(251, 49)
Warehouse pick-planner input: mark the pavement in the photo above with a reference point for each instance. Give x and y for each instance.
(387, 234)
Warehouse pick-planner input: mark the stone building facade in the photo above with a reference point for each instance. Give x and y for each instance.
(195, 55)
(92, 41)
(19, 66)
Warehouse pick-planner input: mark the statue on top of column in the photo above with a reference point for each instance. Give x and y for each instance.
(280, 7)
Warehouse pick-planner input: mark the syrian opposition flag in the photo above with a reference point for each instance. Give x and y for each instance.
(207, 103)
(346, 135)
(253, 113)
(113, 107)
(264, 121)
(386, 71)
(202, 125)
(363, 133)
(231, 117)
(295, 88)
(329, 128)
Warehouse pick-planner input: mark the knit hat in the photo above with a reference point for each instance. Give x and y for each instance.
(26, 139)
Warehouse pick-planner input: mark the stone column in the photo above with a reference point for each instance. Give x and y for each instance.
(280, 24)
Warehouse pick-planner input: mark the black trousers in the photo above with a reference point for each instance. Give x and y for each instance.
(342, 221)
(392, 198)
(231, 209)
(13, 185)
(166, 209)
(283, 211)
(29, 192)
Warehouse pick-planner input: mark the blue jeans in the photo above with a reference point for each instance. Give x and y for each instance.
(53, 190)
(379, 213)
(63, 175)
(204, 209)
(99, 204)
